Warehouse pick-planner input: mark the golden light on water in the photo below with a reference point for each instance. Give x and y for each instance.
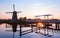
(39, 25)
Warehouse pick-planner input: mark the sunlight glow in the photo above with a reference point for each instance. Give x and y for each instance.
(39, 25)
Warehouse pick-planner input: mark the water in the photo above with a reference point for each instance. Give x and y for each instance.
(9, 34)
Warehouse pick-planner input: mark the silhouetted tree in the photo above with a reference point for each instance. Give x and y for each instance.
(22, 18)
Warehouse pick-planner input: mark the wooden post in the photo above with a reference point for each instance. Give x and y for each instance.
(20, 30)
(6, 25)
(44, 28)
(56, 26)
(31, 28)
(36, 27)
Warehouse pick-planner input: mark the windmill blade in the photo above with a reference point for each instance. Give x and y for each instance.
(19, 11)
(12, 12)
(13, 7)
(9, 12)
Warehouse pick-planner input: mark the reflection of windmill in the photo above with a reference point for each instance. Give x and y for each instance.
(47, 15)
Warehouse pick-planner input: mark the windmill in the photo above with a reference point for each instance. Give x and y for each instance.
(14, 20)
(14, 16)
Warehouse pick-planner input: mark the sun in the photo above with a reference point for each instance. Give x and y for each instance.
(39, 25)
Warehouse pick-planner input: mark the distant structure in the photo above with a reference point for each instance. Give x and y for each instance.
(47, 15)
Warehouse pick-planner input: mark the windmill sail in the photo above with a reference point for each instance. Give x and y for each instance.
(13, 7)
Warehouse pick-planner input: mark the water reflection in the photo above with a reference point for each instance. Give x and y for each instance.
(10, 34)
(13, 34)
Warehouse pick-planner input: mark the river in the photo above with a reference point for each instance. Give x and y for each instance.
(9, 34)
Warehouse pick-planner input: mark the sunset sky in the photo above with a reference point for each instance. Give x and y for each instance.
(30, 8)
